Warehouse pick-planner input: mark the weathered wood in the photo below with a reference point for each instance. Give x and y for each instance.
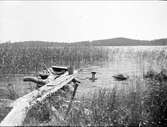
(59, 68)
(22, 105)
(34, 80)
(72, 97)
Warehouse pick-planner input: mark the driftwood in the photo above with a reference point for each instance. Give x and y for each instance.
(35, 80)
(23, 104)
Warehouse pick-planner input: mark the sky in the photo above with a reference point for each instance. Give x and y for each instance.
(71, 21)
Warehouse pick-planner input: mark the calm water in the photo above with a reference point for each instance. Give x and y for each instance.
(124, 61)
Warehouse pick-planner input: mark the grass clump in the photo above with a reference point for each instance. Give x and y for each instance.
(156, 99)
(105, 108)
(7, 96)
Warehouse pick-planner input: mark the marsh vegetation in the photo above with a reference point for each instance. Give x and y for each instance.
(139, 101)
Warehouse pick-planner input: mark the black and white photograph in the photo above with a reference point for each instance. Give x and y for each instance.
(83, 63)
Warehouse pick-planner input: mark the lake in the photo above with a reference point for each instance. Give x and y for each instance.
(133, 61)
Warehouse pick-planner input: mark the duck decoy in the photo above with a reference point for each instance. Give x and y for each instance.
(120, 77)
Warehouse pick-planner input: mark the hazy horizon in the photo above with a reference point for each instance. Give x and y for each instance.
(9, 41)
(72, 21)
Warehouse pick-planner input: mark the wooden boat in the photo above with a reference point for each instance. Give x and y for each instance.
(120, 77)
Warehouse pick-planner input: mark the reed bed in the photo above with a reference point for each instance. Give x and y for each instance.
(141, 101)
(25, 60)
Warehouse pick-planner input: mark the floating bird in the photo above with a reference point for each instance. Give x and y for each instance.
(120, 77)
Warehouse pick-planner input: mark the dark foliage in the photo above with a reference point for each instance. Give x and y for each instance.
(156, 100)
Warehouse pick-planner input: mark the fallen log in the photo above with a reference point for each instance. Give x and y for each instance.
(34, 80)
(22, 105)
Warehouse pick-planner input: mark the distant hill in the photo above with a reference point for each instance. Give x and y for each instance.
(159, 41)
(104, 42)
(120, 42)
(32, 44)
(126, 42)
